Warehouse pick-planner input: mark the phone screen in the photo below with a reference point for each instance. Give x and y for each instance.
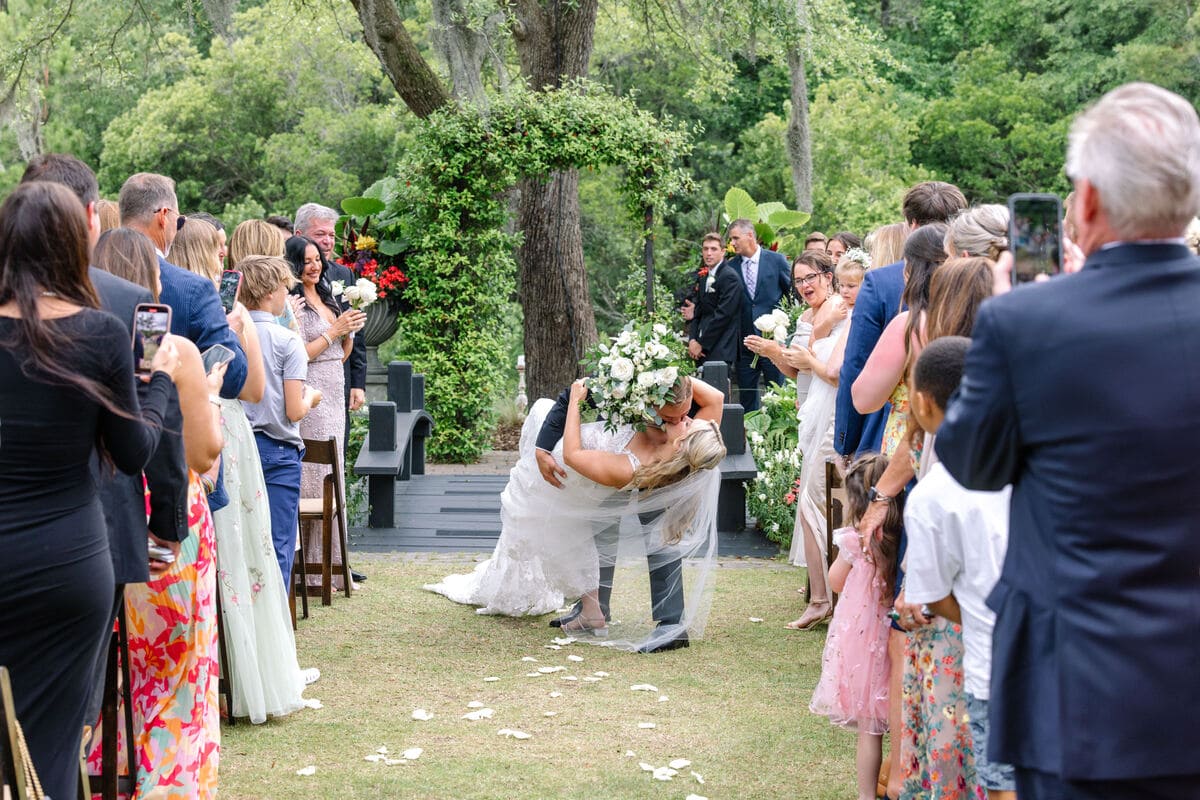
(1035, 236)
(151, 323)
(217, 354)
(231, 281)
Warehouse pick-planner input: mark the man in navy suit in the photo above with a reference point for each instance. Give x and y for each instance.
(878, 302)
(766, 278)
(1082, 393)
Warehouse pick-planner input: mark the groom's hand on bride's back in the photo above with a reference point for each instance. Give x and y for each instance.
(550, 469)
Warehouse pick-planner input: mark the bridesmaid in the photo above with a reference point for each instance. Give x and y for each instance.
(327, 335)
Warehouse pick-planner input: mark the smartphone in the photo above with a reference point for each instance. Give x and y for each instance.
(159, 553)
(151, 323)
(231, 283)
(214, 356)
(1035, 235)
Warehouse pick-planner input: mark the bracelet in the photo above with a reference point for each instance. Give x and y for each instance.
(328, 341)
(215, 400)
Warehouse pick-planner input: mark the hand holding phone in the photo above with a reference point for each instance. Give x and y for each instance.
(217, 354)
(230, 286)
(151, 324)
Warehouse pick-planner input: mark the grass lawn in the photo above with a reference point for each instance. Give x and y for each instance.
(737, 704)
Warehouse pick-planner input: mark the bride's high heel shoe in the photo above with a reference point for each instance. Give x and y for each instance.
(580, 626)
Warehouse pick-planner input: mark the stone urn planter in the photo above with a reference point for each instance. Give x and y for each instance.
(383, 320)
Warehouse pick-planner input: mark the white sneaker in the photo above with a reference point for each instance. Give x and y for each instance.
(311, 675)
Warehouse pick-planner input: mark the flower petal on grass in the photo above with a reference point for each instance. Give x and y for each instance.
(646, 767)
(662, 698)
(491, 679)
(664, 774)
(306, 771)
(530, 659)
(556, 694)
(474, 704)
(643, 687)
(549, 713)
(514, 734)
(421, 715)
(600, 674)
(391, 762)
(590, 678)
(564, 640)
(699, 778)
(374, 757)
(412, 753)
(574, 657)
(756, 619)
(475, 716)
(533, 674)
(552, 646)
(629, 754)
(548, 670)
(382, 751)
(695, 797)
(646, 725)
(569, 678)
(680, 763)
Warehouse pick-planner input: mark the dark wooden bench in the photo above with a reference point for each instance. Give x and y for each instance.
(394, 449)
(738, 466)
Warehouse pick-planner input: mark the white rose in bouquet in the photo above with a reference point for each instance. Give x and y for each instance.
(622, 369)
(645, 380)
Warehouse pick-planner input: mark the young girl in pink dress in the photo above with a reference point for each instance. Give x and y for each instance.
(853, 690)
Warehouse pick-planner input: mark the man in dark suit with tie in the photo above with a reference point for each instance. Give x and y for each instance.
(717, 322)
(878, 303)
(1081, 392)
(766, 278)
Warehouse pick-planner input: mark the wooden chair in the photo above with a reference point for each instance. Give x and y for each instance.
(109, 783)
(330, 510)
(835, 511)
(12, 762)
(224, 675)
(299, 570)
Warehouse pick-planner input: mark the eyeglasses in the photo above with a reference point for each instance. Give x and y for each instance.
(180, 219)
(807, 279)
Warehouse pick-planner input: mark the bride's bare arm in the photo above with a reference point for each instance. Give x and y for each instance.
(606, 469)
(710, 400)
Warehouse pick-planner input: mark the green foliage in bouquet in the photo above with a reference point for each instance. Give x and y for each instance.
(771, 433)
(633, 374)
(445, 211)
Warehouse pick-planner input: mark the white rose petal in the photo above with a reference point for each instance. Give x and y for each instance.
(698, 777)
(548, 670)
(374, 757)
(756, 619)
(569, 678)
(680, 763)
(574, 658)
(566, 640)
(306, 771)
(590, 678)
(421, 715)
(556, 694)
(412, 754)
(695, 796)
(482, 713)
(514, 734)
(662, 698)
(552, 646)
(529, 658)
(646, 725)
(392, 762)
(533, 674)
(491, 679)
(643, 687)
(382, 751)
(312, 703)
(600, 674)
(631, 754)
(664, 774)
(474, 704)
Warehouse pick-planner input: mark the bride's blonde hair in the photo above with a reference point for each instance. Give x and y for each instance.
(700, 448)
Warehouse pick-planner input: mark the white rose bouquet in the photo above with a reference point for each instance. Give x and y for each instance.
(633, 374)
(359, 295)
(776, 325)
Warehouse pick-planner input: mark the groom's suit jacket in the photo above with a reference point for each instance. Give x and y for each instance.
(718, 320)
(1081, 393)
(878, 303)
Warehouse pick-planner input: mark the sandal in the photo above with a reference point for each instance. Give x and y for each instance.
(579, 625)
(805, 623)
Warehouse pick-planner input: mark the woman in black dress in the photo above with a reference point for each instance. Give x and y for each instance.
(66, 390)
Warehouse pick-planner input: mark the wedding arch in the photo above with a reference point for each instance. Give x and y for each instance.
(447, 211)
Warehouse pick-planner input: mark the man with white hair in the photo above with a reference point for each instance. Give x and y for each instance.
(1081, 392)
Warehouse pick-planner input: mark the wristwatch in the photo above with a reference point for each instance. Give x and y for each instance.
(875, 497)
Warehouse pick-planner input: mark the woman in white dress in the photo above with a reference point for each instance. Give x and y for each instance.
(830, 299)
(657, 486)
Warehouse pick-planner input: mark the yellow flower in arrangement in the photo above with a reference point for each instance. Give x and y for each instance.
(365, 243)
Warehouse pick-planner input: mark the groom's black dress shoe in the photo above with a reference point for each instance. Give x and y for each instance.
(665, 639)
(357, 577)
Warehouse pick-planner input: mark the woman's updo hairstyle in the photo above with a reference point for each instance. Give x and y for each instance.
(978, 231)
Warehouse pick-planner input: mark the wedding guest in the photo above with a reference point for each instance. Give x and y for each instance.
(853, 689)
(878, 303)
(254, 237)
(326, 331)
(223, 246)
(267, 681)
(172, 618)
(885, 244)
(840, 243)
(283, 223)
(110, 215)
(766, 278)
(64, 366)
(1098, 595)
(816, 241)
(717, 319)
(197, 248)
(286, 401)
(978, 231)
(956, 544)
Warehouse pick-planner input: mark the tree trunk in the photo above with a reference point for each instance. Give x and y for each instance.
(384, 31)
(220, 16)
(463, 48)
(554, 43)
(799, 143)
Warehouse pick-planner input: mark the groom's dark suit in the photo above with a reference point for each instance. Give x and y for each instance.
(1082, 393)
(717, 325)
(666, 569)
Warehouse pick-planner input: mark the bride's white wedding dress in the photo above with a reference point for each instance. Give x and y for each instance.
(658, 547)
(545, 554)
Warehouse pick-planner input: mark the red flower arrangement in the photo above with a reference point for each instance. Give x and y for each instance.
(360, 254)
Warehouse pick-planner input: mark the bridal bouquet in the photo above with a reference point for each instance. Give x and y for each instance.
(634, 373)
(359, 295)
(777, 325)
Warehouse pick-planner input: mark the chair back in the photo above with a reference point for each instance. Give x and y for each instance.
(835, 506)
(326, 451)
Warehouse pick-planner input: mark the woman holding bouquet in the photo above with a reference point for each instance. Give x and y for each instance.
(327, 333)
(644, 495)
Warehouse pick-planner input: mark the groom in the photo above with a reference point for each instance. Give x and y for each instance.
(666, 568)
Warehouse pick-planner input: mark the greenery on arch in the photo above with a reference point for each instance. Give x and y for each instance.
(446, 215)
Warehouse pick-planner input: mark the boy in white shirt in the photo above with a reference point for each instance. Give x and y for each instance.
(956, 545)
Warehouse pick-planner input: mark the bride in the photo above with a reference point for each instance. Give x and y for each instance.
(648, 495)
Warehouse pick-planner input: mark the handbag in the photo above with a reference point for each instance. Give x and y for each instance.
(20, 776)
